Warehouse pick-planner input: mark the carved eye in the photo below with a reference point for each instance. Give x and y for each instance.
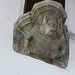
(49, 22)
(54, 24)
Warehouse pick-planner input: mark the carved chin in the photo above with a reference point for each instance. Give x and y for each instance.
(50, 33)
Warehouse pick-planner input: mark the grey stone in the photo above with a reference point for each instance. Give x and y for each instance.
(42, 33)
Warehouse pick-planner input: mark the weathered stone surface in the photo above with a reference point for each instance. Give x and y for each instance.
(42, 33)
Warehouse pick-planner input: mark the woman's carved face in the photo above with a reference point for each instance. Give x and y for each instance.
(51, 25)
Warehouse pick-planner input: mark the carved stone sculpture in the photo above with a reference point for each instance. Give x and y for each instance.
(42, 33)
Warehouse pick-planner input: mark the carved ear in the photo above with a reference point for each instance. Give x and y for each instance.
(44, 20)
(60, 25)
(60, 28)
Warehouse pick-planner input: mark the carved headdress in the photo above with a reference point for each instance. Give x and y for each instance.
(41, 9)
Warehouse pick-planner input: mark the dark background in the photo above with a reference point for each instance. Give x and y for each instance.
(29, 4)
